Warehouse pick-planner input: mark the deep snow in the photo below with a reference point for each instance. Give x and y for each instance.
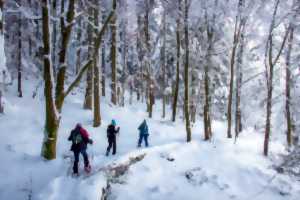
(213, 170)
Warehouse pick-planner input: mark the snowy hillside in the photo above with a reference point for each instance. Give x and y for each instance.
(171, 168)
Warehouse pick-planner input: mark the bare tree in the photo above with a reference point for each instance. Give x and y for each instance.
(236, 39)
(53, 105)
(271, 61)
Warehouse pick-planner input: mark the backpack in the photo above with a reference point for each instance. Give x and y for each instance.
(111, 131)
(77, 137)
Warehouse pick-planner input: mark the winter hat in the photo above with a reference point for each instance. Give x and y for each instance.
(78, 125)
(113, 122)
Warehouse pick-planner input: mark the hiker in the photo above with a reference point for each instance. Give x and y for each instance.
(111, 137)
(144, 133)
(80, 138)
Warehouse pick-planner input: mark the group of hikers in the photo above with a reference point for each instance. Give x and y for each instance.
(80, 139)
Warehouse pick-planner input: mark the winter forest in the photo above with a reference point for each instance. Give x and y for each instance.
(150, 99)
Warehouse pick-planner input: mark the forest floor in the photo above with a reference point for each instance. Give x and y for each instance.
(171, 168)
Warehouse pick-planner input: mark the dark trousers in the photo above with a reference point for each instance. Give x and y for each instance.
(143, 137)
(111, 144)
(76, 161)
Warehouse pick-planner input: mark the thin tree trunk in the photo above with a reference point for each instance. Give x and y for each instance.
(114, 58)
(186, 75)
(239, 77)
(66, 33)
(289, 121)
(270, 71)
(78, 50)
(164, 65)
(54, 30)
(175, 100)
(103, 66)
(20, 93)
(150, 83)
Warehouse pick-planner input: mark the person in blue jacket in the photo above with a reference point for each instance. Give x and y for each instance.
(144, 133)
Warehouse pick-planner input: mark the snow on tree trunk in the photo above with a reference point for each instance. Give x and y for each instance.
(97, 116)
(239, 78)
(88, 98)
(52, 117)
(269, 75)
(236, 38)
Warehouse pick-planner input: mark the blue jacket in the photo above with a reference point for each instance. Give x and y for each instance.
(143, 128)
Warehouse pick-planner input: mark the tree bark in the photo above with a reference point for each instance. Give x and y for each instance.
(20, 93)
(163, 60)
(66, 33)
(269, 75)
(236, 38)
(52, 118)
(114, 58)
(88, 99)
(186, 75)
(239, 77)
(52, 114)
(97, 116)
(175, 98)
(289, 120)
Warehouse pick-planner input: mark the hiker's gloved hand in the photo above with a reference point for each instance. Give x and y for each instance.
(91, 141)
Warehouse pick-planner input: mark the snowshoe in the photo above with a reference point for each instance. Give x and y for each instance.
(88, 169)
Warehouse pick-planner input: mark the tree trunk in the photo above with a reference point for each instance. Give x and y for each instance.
(175, 99)
(150, 83)
(54, 30)
(103, 66)
(206, 109)
(239, 77)
(114, 58)
(88, 99)
(97, 116)
(289, 120)
(20, 93)
(78, 50)
(2, 47)
(269, 75)
(52, 119)
(163, 54)
(52, 108)
(186, 75)
(66, 33)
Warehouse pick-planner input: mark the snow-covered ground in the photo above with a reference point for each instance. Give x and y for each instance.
(171, 169)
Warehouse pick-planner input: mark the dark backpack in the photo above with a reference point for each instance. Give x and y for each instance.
(111, 131)
(77, 137)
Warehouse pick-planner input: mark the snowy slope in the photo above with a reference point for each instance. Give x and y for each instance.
(172, 169)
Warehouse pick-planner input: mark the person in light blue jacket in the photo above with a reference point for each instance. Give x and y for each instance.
(144, 133)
